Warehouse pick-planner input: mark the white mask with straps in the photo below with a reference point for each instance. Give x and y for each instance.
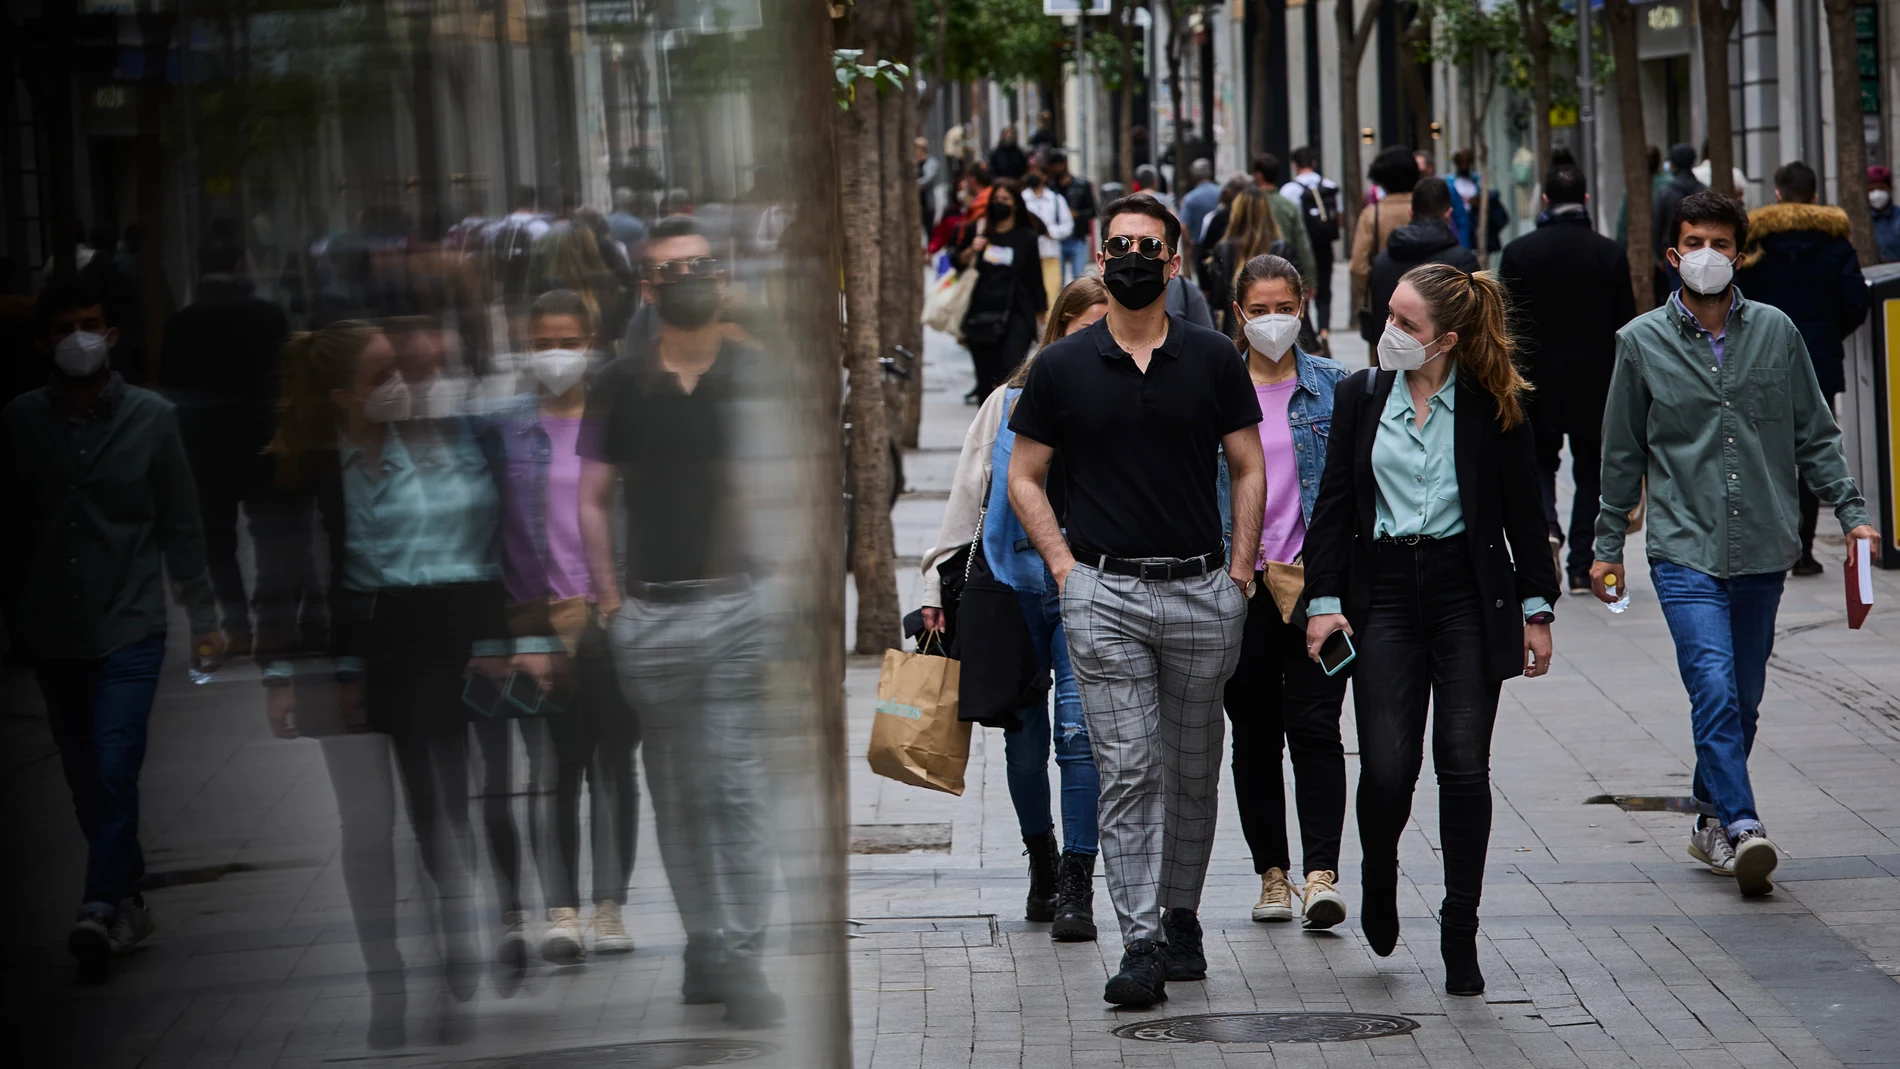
(1706, 271)
(81, 353)
(389, 403)
(559, 369)
(1273, 335)
(1399, 351)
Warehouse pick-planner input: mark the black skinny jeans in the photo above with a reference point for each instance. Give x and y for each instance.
(1279, 698)
(594, 738)
(995, 362)
(1423, 639)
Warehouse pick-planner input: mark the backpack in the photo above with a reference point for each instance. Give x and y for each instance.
(1319, 206)
(511, 250)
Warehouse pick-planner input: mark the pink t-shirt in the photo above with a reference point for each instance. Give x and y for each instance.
(1283, 529)
(567, 562)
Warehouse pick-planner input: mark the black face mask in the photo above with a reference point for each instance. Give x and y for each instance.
(1000, 212)
(689, 303)
(1134, 280)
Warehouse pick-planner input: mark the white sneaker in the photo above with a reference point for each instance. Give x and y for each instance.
(132, 924)
(562, 943)
(1276, 897)
(1320, 903)
(1755, 858)
(1709, 845)
(610, 936)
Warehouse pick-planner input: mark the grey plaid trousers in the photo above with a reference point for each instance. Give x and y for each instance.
(1150, 661)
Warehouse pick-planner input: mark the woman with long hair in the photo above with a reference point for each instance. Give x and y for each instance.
(1009, 300)
(1060, 888)
(1251, 231)
(1278, 699)
(1428, 549)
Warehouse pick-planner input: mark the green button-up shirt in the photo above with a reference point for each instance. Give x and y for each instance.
(1722, 442)
(102, 506)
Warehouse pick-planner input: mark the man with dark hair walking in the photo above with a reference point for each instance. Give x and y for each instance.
(1715, 404)
(1570, 287)
(1140, 405)
(1798, 259)
(1427, 239)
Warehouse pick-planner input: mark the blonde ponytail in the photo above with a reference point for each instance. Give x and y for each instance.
(310, 366)
(1476, 307)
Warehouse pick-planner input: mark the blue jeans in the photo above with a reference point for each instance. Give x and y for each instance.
(1724, 631)
(1026, 750)
(98, 709)
(1076, 260)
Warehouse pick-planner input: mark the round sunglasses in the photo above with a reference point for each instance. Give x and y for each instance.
(1151, 248)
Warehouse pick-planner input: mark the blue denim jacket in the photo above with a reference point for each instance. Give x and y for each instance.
(1309, 412)
(1006, 546)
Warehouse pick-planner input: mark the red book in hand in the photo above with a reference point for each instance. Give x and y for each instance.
(1860, 581)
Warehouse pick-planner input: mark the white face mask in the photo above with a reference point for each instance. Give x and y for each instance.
(1706, 271)
(1878, 199)
(389, 403)
(1272, 335)
(559, 369)
(81, 353)
(439, 397)
(1399, 351)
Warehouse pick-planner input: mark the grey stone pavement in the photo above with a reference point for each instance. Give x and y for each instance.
(1602, 943)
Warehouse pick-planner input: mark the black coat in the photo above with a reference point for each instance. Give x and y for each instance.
(1570, 292)
(1421, 241)
(1497, 489)
(1663, 209)
(1799, 260)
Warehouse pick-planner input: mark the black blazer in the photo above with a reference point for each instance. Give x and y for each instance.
(1497, 488)
(1570, 289)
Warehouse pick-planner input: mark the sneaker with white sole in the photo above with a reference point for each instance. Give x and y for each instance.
(1709, 844)
(610, 935)
(562, 943)
(132, 924)
(1755, 859)
(90, 942)
(1321, 904)
(1276, 897)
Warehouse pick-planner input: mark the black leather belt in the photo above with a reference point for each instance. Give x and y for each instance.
(1149, 570)
(1410, 541)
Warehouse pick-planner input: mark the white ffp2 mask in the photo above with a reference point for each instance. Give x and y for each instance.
(81, 353)
(559, 369)
(1706, 271)
(1399, 351)
(1272, 335)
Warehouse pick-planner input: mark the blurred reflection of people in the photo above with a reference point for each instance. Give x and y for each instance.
(594, 732)
(101, 507)
(687, 626)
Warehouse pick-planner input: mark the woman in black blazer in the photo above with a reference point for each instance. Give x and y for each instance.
(1428, 547)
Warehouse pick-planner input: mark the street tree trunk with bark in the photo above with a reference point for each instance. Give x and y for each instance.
(1850, 140)
(1262, 86)
(861, 188)
(1177, 45)
(1354, 38)
(1534, 17)
(1621, 17)
(1125, 31)
(901, 290)
(1717, 22)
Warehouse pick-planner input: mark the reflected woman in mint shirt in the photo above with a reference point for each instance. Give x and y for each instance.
(1428, 547)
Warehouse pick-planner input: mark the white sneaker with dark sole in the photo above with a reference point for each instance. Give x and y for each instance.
(1755, 860)
(132, 925)
(1709, 844)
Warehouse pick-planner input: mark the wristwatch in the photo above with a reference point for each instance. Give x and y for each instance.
(1248, 590)
(1543, 617)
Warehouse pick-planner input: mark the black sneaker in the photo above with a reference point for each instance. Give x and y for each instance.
(1181, 955)
(704, 960)
(1075, 899)
(1142, 981)
(1807, 565)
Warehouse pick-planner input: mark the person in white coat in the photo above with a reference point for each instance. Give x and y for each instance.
(1053, 209)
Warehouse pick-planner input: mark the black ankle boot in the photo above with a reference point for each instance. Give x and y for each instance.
(1075, 899)
(1458, 945)
(1379, 907)
(1042, 877)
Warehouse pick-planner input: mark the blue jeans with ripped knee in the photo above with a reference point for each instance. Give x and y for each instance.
(1026, 750)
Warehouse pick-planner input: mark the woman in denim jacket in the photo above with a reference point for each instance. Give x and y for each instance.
(1278, 696)
(1060, 890)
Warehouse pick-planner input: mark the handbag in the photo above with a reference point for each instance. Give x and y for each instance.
(1000, 669)
(916, 736)
(985, 328)
(949, 301)
(1286, 582)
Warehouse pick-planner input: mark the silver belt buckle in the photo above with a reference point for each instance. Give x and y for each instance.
(1160, 574)
(1410, 540)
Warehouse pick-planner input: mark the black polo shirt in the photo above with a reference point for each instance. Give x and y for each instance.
(1139, 450)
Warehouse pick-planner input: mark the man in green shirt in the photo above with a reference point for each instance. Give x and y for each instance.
(103, 507)
(1715, 403)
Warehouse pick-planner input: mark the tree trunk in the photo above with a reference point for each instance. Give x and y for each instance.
(1717, 22)
(1262, 86)
(1621, 17)
(1176, 44)
(1534, 18)
(873, 568)
(901, 298)
(157, 31)
(1850, 144)
(1353, 39)
(1125, 30)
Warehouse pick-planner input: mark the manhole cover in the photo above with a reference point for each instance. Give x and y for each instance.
(1645, 803)
(1267, 1028)
(659, 1054)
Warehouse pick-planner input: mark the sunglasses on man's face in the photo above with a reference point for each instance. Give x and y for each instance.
(1151, 248)
(697, 267)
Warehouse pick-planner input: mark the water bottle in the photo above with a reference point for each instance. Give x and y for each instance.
(1622, 602)
(199, 666)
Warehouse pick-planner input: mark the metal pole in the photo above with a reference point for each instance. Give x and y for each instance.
(1586, 102)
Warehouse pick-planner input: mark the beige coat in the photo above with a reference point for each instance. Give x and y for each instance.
(1391, 213)
(966, 493)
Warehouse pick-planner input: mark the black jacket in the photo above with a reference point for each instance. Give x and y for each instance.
(1016, 287)
(220, 368)
(1799, 260)
(1570, 292)
(1421, 241)
(1008, 160)
(1497, 488)
(1663, 207)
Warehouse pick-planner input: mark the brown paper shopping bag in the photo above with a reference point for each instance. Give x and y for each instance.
(916, 737)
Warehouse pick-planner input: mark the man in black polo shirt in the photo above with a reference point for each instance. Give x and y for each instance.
(1139, 404)
(688, 634)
